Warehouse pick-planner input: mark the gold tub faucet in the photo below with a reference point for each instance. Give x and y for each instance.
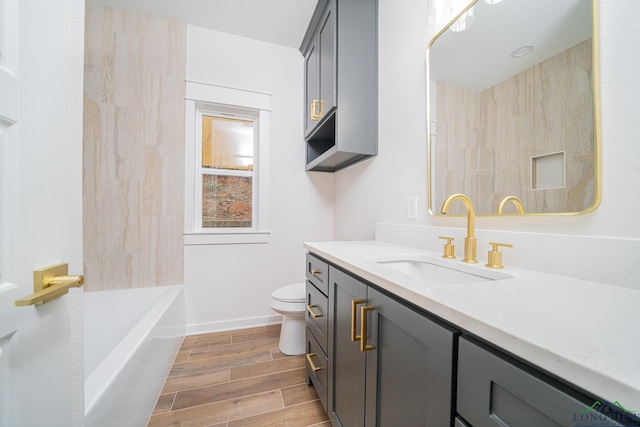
(517, 202)
(470, 240)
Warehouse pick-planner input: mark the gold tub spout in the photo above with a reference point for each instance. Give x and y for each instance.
(517, 202)
(470, 240)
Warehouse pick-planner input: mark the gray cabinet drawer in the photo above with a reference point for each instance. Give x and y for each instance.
(317, 365)
(493, 392)
(318, 273)
(317, 315)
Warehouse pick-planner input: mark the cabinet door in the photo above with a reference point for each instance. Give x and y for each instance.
(346, 362)
(409, 368)
(311, 88)
(492, 392)
(320, 72)
(327, 66)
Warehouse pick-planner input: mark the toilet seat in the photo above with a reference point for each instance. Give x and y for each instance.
(290, 294)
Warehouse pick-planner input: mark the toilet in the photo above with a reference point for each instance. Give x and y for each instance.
(290, 302)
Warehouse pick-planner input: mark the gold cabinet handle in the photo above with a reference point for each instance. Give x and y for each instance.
(314, 368)
(363, 328)
(316, 272)
(314, 104)
(310, 310)
(354, 305)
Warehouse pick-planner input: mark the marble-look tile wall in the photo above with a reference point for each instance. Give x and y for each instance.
(485, 140)
(133, 189)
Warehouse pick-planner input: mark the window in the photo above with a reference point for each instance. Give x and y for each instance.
(227, 171)
(226, 165)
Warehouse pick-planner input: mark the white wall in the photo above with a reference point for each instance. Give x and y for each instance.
(229, 286)
(376, 191)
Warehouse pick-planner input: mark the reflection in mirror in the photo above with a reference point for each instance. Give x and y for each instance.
(512, 110)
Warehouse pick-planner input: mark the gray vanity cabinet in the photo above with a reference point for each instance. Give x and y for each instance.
(404, 376)
(412, 369)
(494, 391)
(341, 83)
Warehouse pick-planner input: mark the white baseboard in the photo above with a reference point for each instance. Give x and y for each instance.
(230, 325)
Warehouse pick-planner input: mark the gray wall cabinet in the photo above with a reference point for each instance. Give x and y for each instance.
(341, 84)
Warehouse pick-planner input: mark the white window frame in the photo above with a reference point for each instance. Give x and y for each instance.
(206, 99)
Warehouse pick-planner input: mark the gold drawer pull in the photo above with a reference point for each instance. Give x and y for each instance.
(354, 305)
(310, 310)
(363, 328)
(314, 368)
(316, 272)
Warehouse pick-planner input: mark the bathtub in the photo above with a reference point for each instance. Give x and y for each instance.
(131, 338)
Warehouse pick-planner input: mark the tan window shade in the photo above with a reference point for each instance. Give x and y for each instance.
(227, 143)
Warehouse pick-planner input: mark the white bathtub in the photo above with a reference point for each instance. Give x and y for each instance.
(131, 338)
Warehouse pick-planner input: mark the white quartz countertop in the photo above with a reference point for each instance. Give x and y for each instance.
(584, 332)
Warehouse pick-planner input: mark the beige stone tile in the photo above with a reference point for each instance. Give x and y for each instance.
(135, 67)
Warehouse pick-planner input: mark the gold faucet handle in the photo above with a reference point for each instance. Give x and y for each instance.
(449, 248)
(495, 256)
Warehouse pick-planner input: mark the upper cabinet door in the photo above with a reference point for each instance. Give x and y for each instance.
(320, 71)
(311, 88)
(327, 66)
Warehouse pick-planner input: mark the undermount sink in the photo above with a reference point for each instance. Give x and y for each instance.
(440, 270)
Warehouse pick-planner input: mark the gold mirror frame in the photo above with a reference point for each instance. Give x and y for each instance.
(597, 137)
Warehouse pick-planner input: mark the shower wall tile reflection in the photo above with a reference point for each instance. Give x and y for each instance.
(135, 69)
(485, 140)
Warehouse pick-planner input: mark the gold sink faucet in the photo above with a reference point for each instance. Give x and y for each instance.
(470, 240)
(517, 202)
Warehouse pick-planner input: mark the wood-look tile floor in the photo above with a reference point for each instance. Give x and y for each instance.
(237, 378)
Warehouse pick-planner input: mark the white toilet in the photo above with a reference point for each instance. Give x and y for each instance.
(290, 302)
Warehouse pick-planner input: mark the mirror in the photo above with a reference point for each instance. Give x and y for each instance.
(513, 108)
